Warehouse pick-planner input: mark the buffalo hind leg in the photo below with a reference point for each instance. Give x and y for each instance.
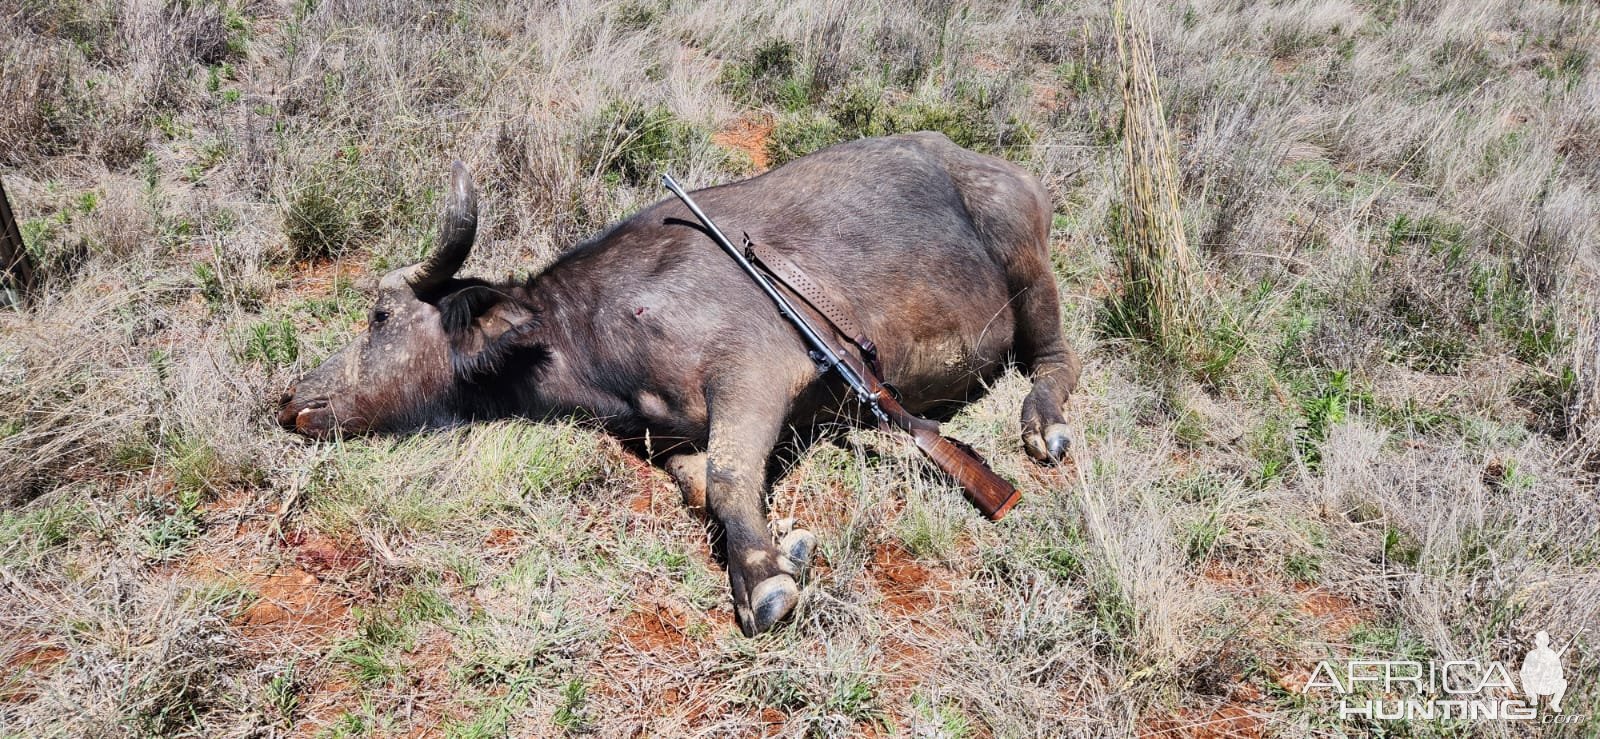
(745, 425)
(689, 471)
(1045, 356)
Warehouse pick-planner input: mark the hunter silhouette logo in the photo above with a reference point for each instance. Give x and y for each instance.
(1541, 673)
(1448, 690)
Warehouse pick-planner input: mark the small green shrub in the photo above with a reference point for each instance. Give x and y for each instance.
(634, 143)
(341, 204)
(1400, 547)
(927, 531)
(1305, 567)
(1328, 407)
(945, 718)
(318, 221)
(369, 652)
(1116, 617)
(274, 342)
(767, 75)
(572, 713)
(350, 724)
(283, 695)
(966, 125)
(1548, 398)
(175, 523)
(1065, 561)
(797, 136)
(197, 471)
(1203, 537)
(861, 110)
(1271, 446)
(134, 453)
(854, 696)
(40, 529)
(209, 283)
(1566, 67)
(423, 604)
(638, 15)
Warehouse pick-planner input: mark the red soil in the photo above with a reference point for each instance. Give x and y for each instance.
(26, 660)
(1231, 720)
(901, 580)
(748, 134)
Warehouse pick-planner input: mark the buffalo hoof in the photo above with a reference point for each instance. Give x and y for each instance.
(799, 548)
(770, 602)
(1050, 446)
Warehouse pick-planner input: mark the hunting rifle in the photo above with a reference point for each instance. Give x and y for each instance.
(989, 492)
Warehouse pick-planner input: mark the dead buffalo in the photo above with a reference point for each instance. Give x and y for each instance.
(649, 328)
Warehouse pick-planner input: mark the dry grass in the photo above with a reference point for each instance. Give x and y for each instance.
(1394, 453)
(1162, 299)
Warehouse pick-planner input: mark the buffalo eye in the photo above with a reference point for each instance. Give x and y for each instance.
(379, 316)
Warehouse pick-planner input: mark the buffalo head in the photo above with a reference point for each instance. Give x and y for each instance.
(429, 337)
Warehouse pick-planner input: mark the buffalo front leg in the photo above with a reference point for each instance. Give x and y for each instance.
(797, 544)
(744, 428)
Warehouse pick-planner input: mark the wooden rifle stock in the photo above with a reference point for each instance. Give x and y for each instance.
(990, 493)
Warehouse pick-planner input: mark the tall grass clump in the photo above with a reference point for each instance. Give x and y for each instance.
(1160, 301)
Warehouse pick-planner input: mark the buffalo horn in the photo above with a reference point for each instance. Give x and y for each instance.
(460, 227)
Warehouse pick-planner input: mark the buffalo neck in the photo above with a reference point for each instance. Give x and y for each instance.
(558, 377)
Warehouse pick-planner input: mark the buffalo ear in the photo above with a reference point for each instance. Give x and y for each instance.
(486, 326)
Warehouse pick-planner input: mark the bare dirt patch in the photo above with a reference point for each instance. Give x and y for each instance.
(916, 627)
(901, 580)
(293, 608)
(300, 589)
(1228, 721)
(1048, 97)
(654, 668)
(652, 493)
(748, 134)
(658, 629)
(324, 701)
(1236, 578)
(319, 553)
(24, 662)
(1335, 616)
(427, 670)
(318, 277)
(501, 539)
